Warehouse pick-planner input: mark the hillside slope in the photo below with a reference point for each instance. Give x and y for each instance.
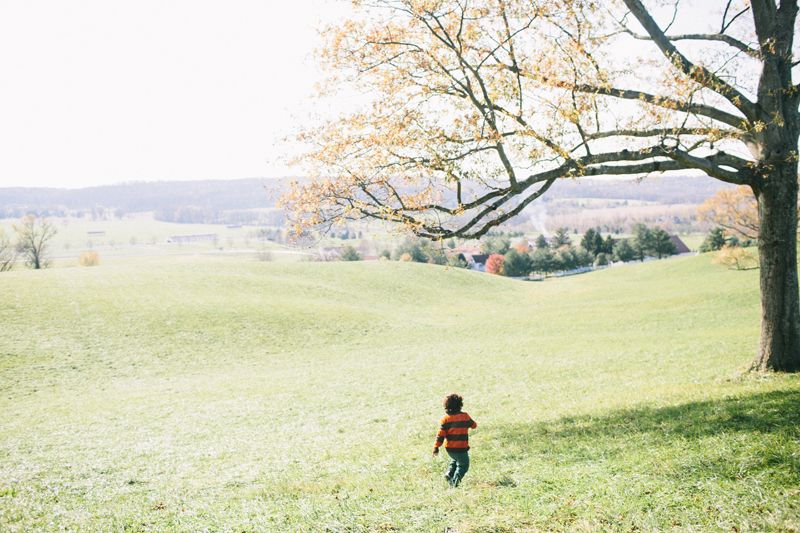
(237, 395)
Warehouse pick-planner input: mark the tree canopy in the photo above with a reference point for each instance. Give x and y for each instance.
(475, 108)
(478, 107)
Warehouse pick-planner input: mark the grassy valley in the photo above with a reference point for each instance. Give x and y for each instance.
(227, 394)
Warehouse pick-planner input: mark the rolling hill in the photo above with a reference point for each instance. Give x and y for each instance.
(224, 394)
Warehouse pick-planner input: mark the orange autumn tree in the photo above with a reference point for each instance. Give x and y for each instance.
(736, 210)
(523, 247)
(494, 264)
(476, 107)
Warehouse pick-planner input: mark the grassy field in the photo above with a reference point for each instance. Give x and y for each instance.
(141, 236)
(223, 394)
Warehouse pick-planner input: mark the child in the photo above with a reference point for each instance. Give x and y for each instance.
(455, 427)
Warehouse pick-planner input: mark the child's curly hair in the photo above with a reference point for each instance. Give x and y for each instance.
(453, 403)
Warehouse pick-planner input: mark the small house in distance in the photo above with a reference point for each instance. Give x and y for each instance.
(473, 257)
(680, 246)
(477, 261)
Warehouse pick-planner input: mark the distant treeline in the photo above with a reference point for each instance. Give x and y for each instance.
(208, 215)
(206, 201)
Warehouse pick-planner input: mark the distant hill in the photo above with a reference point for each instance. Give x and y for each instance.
(661, 189)
(252, 193)
(248, 193)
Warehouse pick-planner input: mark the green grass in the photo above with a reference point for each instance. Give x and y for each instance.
(232, 395)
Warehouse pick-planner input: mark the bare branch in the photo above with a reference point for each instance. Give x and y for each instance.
(718, 37)
(698, 73)
(727, 25)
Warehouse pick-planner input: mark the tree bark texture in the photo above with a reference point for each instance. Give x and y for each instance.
(776, 189)
(779, 348)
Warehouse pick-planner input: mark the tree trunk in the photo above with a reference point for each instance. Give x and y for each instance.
(779, 349)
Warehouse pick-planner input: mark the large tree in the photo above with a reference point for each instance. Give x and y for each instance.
(476, 107)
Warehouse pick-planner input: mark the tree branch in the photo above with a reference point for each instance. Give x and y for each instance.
(719, 37)
(727, 25)
(632, 94)
(662, 132)
(667, 103)
(698, 73)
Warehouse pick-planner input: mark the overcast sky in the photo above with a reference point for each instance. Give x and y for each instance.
(99, 91)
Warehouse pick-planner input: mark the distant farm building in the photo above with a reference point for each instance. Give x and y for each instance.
(473, 257)
(195, 237)
(475, 261)
(680, 246)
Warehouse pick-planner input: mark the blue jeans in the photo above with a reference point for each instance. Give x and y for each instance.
(459, 464)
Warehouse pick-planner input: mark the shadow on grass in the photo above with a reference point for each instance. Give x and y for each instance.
(762, 430)
(726, 464)
(771, 412)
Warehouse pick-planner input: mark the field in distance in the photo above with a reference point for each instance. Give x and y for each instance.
(139, 235)
(227, 394)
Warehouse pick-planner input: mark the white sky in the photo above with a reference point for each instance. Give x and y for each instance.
(103, 91)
